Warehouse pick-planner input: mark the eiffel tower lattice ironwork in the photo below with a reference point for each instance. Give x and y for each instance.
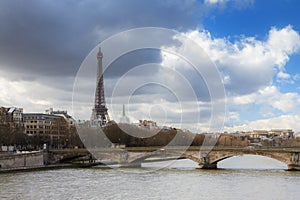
(99, 114)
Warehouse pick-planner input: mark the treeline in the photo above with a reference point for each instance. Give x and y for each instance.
(118, 134)
(133, 136)
(12, 135)
(15, 136)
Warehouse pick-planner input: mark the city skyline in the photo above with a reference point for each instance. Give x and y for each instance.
(254, 45)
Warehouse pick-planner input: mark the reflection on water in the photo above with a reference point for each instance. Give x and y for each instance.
(180, 180)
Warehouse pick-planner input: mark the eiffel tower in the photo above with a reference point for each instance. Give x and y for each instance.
(99, 113)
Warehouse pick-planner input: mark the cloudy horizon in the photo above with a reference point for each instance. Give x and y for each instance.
(256, 52)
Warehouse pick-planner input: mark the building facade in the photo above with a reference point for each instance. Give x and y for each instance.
(46, 128)
(11, 116)
(284, 133)
(63, 113)
(148, 124)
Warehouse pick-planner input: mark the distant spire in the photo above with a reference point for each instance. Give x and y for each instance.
(124, 118)
(123, 109)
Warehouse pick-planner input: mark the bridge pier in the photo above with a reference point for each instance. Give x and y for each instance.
(294, 164)
(293, 167)
(205, 164)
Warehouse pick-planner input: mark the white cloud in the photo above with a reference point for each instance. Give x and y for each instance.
(296, 77)
(243, 99)
(248, 63)
(215, 1)
(285, 102)
(236, 4)
(282, 43)
(281, 122)
(271, 96)
(248, 67)
(283, 75)
(33, 96)
(234, 116)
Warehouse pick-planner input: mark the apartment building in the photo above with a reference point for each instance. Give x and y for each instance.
(47, 128)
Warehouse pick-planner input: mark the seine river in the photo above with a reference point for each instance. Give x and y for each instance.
(263, 179)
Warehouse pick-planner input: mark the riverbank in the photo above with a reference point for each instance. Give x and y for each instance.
(50, 167)
(44, 167)
(38, 160)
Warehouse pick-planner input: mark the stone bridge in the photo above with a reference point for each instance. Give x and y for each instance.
(286, 155)
(207, 158)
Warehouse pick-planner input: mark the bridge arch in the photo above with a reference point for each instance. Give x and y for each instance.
(190, 157)
(250, 161)
(141, 158)
(213, 157)
(175, 155)
(54, 157)
(216, 157)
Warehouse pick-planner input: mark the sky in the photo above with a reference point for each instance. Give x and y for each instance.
(47, 47)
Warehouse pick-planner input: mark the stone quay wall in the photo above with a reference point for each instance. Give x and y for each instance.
(21, 160)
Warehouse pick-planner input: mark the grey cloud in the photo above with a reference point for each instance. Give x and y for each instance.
(132, 59)
(246, 80)
(46, 41)
(52, 37)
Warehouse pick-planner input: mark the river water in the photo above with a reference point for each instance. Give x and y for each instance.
(240, 178)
